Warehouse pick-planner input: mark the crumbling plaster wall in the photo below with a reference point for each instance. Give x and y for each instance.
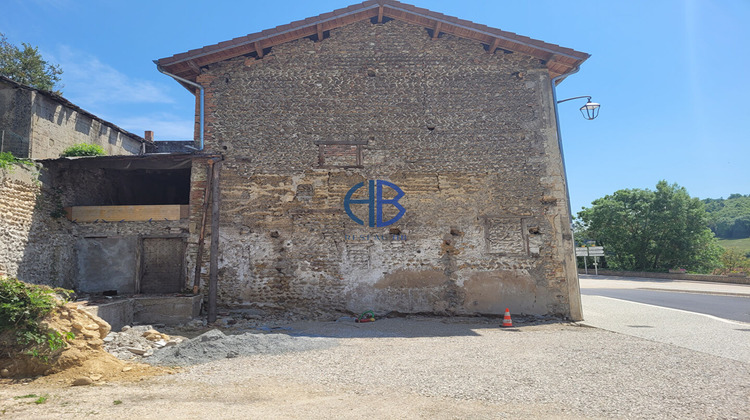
(468, 136)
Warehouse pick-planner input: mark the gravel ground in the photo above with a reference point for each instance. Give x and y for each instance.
(425, 368)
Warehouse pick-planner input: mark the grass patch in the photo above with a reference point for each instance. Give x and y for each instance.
(116, 402)
(742, 245)
(26, 396)
(41, 400)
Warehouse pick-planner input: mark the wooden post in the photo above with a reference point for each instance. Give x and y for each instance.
(202, 235)
(214, 259)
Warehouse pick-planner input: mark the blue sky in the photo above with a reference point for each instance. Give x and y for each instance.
(671, 75)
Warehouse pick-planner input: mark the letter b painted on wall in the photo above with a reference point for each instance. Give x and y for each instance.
(375, 202)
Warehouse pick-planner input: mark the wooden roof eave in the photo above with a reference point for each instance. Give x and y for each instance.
(559, 60)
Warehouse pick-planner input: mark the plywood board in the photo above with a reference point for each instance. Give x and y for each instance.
(83, 214)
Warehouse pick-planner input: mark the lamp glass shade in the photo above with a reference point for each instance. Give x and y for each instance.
(590, 110)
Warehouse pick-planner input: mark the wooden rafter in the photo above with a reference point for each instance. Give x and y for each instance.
(258, 49)
(319, 30)
(380, 14)
(436, 30)
(494, 45)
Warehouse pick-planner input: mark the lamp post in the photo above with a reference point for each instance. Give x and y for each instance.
(590, 110)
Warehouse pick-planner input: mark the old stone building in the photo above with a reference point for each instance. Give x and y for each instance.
(379, 157)
(330, 126)
(38, 124)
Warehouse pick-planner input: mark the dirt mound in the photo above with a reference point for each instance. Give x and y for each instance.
(83, 360)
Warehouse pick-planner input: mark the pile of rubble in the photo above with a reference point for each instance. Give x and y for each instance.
(135, 343)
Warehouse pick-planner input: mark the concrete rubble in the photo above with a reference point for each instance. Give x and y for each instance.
(133, 343)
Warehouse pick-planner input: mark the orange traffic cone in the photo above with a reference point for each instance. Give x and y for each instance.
(506, 319)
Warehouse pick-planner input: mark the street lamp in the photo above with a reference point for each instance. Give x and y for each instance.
(590, 110)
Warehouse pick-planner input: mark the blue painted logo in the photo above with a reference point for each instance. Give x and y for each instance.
(375, 202)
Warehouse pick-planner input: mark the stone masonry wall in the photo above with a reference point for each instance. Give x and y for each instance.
(18, 193)
(468, 136)
(15, 124)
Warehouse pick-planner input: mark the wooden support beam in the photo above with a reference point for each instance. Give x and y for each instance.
(436, 30)
(494, 45)
(213, 265)
(202, 235)
(319, 29)
(380, 14)
(110, 214)
(258, 49)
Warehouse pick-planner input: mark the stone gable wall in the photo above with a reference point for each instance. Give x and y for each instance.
(468, 136)
(40, 127)
(55, 127)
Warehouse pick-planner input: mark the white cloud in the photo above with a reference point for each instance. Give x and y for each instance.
(90, 82)
(165, 126)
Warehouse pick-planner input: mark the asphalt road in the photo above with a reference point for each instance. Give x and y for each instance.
(735, 308)
(712, 318)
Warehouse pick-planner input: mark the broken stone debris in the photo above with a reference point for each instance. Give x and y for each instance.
(136, 342)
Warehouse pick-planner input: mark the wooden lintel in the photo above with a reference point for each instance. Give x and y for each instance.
(494, 45)
(114, 214)
(319, 29)
(380, 14)
(258, 49)
(436, 30)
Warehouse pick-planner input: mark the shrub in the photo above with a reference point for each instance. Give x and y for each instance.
(83, 149)
(22, 306)
(7, 159)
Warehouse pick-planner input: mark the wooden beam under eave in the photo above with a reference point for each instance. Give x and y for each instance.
(319, 29)
(194, 67)
(380, 14)
(436, 31)
(258, 49)
(494, 45)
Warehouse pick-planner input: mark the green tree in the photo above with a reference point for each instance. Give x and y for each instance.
(730, 218)
(25, 65)
(652, 230)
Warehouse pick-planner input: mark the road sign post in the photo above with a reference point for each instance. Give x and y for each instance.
(590, 251)
(583, 252)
